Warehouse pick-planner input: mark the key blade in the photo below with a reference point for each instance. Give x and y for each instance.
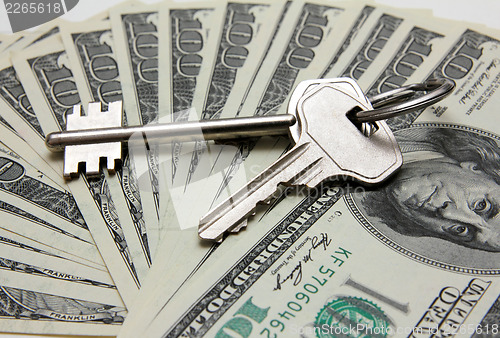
(230, 214)
(92, 154)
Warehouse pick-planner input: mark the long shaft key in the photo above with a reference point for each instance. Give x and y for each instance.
(327, 145)
(97, 137)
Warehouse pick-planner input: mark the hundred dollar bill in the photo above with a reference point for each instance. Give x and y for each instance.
(26, 311)
(44, 70)
(27, 226)
(187, 43)
(16, 110)
(354, 27)
(53, 264)
(292, 52)
(90, 49)
(53, 214)
(321, 281)
(287, 72)
(28, 189)
(410, 47)
(39, 245)
(433, 233)
(244, 36)
(249, 30)
(370, 41)
(14, 273)
(239, 36)
(30, 226)
(472, 62)
(317, 26)
(187, 251)
(135, 34)
(12, 140)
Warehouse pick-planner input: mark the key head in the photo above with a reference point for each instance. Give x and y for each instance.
(347, 152)
(92, 154)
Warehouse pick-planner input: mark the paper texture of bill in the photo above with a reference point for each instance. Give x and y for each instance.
(135, 37)
(97, 80)
(92, 194)
(118, 254)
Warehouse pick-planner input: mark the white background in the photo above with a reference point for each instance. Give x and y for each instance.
(485, 12)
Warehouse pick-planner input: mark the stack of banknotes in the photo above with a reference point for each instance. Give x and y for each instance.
(119, 254)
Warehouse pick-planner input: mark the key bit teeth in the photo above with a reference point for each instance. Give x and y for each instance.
(91, 155)
(240, 226)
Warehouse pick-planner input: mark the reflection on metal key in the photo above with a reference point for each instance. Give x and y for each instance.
(327, 145)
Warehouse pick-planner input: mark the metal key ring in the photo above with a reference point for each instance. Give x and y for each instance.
(437, 90)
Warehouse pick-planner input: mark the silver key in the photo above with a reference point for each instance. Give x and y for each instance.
(98, 136)
(327, 145)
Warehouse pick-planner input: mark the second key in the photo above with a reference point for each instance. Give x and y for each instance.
(327, 145)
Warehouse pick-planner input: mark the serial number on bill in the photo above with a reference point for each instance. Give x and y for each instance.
(33, 7)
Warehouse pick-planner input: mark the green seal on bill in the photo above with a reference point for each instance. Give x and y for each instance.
(351, 317)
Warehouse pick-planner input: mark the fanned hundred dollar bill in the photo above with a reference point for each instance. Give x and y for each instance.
(135, 37)
(92, 194)
(247, 28)
(90, 48)
(40, 279)
(390, 254)
(26, 311)
(53, 264)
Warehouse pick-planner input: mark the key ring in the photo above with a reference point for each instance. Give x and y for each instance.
(437, 90)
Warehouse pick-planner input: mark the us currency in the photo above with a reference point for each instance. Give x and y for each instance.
(41, 279)
(294, 55)
(173, 211)
(415, 45)
(245, 33)
(186, 33)
(186, 43)
(91, 48)
(54, 214)
(354, 28)
(299, 278)
(42, 247)
(26, 311)
(135, 33)
(34, 255)
(301, 293)
(292, 52)
(27, 225)
(17, 111)
(99, 208)
(471, 61)
(314, 25)
(241, 34)
(188, 251)
(12, 140)
(26, 188)
(279, 79)
(370, 41)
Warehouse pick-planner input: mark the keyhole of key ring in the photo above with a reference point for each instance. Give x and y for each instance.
(366, 128)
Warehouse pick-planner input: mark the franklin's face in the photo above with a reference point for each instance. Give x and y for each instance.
(450, 199)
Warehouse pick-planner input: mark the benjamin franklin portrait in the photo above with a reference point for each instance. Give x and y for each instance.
(447, 193)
